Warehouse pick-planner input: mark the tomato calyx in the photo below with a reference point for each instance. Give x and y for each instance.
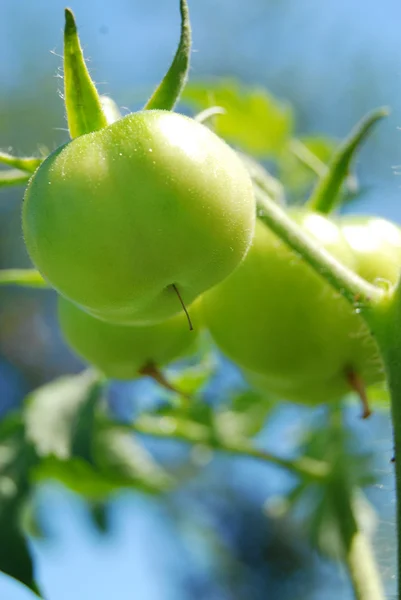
(357, 385)
(150, 369)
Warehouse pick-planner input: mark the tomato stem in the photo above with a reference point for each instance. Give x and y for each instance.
(151, 370)
(361, 294)
(183, 306)
(356, 383)
(387, 322)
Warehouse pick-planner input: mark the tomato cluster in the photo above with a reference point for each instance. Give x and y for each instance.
(292, 333)
(139, 219)
(121, 220)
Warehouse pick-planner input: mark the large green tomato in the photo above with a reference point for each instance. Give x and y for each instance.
(310, 393)
(276, 317)
(274, 314)
(123, 351)
(114, 219)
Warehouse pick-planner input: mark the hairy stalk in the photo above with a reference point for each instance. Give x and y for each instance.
(356, 290)
(387, 322)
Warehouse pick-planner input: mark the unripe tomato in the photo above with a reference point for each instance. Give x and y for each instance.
(375, 244)
(115, 218)
(122, 351)
(274, 314)
(310, 393)
(278, 318)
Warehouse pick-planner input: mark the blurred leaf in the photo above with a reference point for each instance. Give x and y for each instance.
(99, 514)
(245, 418)
(22, 277)
(28, 164)
(191, 379)
(329, 510)
(16, 462)
(77, 475)
(253, 121)
(168, 92)
(119, 463)
(10, 177)
(123, 459)
(58, 414)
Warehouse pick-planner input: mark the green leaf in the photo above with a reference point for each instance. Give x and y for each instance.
(16, 462)
(110, 109)
(57, 414)
(82, 101)
(29, 164)
(190, 380)
(253, 119)
(124, 461)
(119, 463)
(324, 197)
(99, 514)
(22, 277)
(167, 94)
(77, 475)
(11, 177)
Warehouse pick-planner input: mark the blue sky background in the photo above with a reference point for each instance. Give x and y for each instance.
(333, 61)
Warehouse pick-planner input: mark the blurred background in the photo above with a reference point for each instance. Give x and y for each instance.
(215, 539)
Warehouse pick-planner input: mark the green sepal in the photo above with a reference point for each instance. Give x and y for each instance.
(22, 277)
(169, 90)
(82, 101)
(325, 196)
(28, 164)
(110, 109)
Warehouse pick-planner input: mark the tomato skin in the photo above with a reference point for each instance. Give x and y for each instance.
(310, 393)
(121, 351)
(114, 218)
(281, 321)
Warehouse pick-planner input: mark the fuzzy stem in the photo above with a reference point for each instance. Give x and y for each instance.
(387, 322)
(356, 290)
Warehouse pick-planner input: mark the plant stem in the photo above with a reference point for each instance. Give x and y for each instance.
(194, 433)
(362, 569)
(386, 320)
(356, 290)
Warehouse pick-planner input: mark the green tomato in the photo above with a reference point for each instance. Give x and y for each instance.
(376, 246)
(277, 317)
(114, 219)
(309, 393)
(122, 351)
